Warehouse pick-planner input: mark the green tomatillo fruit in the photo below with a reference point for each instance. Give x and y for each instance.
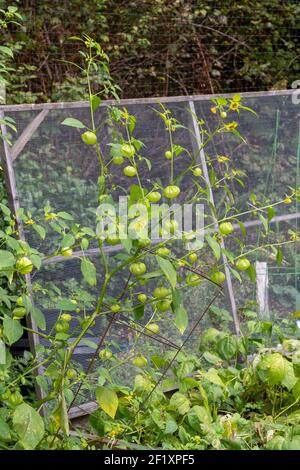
(139, 361)
(128, 150)
(138, 269)
(24, 265)
(129, 171)
(18, 312)
(197, 172)
(161, 292)
(171, 191)
(115, 308)
(226, 228)
(218, 277)
(193, 257)
(66, 317)
(105, 354)
(118, 160)
(112, 240)
(67, 251)
(242, 264)
(193, 279)
(142, 298)
(154, 196)
(164, 305)
(71, 374)
(163, 251)
(15, 398)
(89, 138)
(152, 328)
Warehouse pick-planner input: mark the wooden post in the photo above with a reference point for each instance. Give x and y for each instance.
(262, 290)
(202, 159)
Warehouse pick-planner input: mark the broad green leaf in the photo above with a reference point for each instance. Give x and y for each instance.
(264, 222)
(180, 403)
(29, 426)
(89, 271)
(6, 50)
(181, 319)
(39, 230)
(12, 330)
(168, 270)
(279, 256)
(214, 245)
(73, 123)
(251, 271)
(171, 426)
(68, 240)
(66, 304)
(139, 312)
(95, 101)
(212, 376)
(198, 415)
(5, 209)
(176, 299)
(7, 259)
(236, 274)
(236, 97)
(227, 347)
(65, 215)
(212, 358)
(107, 400)
(271, 213)
(39, 318)
(5, 435)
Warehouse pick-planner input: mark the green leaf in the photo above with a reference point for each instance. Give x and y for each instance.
(5, 210)
(138, 311)
(7, 259)
(73, 123)
(4, 431)
(88, 270)
(12, 330)
(168, 270)
(181, 319)
(180, 403)
(65, 215)
(236, 274)
(39, 230)
(171, 426)
(176, 299)
(95, 101)
(264, 222)
(251, 271)
(212, 376)
(6, 50)
(39, 318)
(66, 304)
(214, 245)
(108, 400)
(212, 358)
(227, 347)
(29, 426)
(279, 256)
(271, 213)
(198, 415)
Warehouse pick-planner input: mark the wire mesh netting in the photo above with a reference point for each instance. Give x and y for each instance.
(55, 169)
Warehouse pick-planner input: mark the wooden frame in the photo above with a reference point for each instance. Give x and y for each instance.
(11, 153)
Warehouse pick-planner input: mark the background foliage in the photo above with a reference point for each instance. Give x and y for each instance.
(162, 47)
